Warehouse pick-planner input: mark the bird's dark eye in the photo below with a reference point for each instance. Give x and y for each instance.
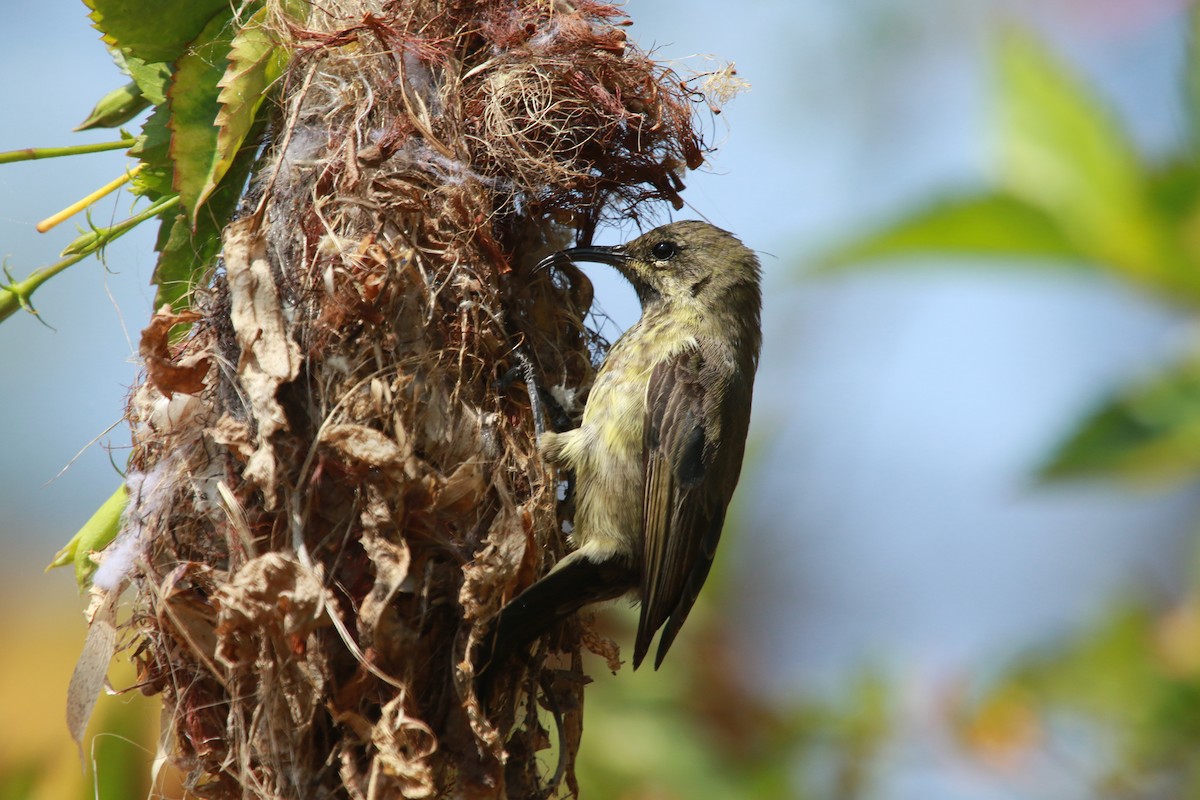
(664, 250)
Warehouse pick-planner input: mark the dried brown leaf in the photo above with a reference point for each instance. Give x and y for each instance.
(271, 597)
(463, 489)
(604, 647)
(269, 357)
(404, 744)
(234, 434)
(363, 445)
(87, 680)
(163, 370)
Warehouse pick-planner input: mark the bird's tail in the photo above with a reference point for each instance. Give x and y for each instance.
(573, 584)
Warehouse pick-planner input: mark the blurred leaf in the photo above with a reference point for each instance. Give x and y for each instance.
(1149, 432)
(1062, 151)
(864, 727)
(1142, 709)
(116, 108)
(1175, 192)
(19, 779)
(1192, 81)
(1108, 673)
(985, 225)
(160, 32)
(1002, 729)
(694, 729)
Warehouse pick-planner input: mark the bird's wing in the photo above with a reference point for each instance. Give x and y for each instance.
(684, 501)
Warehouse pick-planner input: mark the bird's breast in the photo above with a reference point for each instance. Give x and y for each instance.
(608, 446)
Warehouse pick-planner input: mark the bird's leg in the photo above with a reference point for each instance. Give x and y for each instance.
(560, 422)
(524, 371)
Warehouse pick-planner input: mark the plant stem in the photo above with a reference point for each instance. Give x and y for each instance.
(31, 153)
(15, 296)
(83, 203)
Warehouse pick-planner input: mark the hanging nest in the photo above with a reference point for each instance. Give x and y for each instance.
(335, 481)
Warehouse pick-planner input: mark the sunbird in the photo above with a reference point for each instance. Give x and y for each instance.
(659, 449)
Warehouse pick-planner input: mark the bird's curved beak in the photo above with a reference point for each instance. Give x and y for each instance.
(612, 255)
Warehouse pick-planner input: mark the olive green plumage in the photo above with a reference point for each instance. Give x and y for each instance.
(659, 451)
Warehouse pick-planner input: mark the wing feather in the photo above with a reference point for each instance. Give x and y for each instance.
(687, 488)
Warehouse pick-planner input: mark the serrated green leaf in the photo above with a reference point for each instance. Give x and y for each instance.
(158, 32)
(152, 78)
(193, 98)
(991, 225)
(255, 63)
(1062, 151)
(1147, 433)
(116, 108)
(187, 254)
(154, 150)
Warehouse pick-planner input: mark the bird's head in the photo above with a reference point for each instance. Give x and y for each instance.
(683, 262)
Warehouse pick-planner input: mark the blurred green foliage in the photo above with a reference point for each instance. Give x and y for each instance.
(697, 729)
(1071, 191)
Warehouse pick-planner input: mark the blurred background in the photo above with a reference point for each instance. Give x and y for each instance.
(962, 561)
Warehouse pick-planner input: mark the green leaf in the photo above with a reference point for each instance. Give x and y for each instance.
(152, 78)
(1175, 191)
(1175, 196)
(153, 148)
(193, 98)
(187, 255)
(95, 535)
(160, 31)
(255, 63)
(993, 225)
(1147, 433)
(116, 108)
(1062, 151)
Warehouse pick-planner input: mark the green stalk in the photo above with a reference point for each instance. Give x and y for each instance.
(31, 153)
(16, 296)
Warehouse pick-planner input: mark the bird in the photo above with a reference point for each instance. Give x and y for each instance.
(659, 449)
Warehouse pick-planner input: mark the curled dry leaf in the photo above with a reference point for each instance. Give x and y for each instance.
(404, 743)
(90, 670)
(604, 647)
(164, 369)
(271, 597)
(363, 445)
(269, 358)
